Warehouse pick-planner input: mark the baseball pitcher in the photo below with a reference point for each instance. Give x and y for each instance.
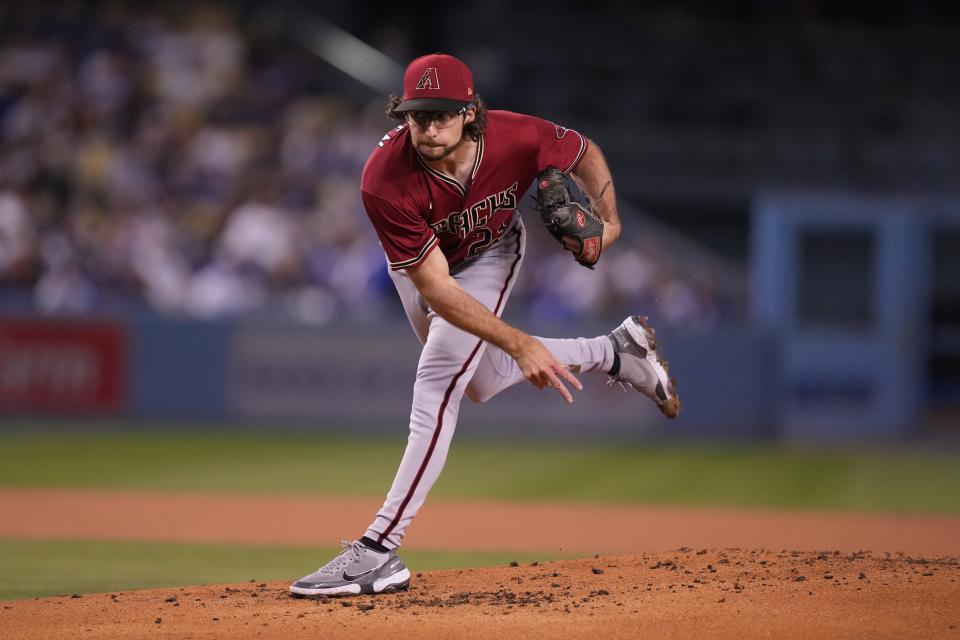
(441, 190)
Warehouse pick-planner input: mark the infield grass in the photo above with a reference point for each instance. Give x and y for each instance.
(37, 568)
(747, 476)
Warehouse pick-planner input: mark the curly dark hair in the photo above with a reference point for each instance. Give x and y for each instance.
(473, 131)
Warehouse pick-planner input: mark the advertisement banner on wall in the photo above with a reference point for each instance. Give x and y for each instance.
(329, 376)
(341, 377)
(61, 366)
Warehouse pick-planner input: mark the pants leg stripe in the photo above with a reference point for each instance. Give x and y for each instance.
(443, 405)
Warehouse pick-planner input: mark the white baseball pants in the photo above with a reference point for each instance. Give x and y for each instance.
(455, 363)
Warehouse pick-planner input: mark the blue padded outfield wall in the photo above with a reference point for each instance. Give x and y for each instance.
(179, 368)
(360, 379)
(365, 377)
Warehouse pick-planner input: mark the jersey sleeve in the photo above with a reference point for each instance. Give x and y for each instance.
(558, 146)
(405, 236)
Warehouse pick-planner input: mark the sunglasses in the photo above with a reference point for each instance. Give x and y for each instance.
(440, 119)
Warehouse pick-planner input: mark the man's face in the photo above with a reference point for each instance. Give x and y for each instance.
(437, 134)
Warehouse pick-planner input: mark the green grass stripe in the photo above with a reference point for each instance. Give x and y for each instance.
(36, 568)
(745, 476)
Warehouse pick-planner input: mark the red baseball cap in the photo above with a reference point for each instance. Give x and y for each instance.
(436, 82)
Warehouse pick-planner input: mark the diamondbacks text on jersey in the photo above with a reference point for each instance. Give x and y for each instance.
(415, 209)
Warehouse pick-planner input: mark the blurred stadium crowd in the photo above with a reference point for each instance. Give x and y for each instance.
(198, 163)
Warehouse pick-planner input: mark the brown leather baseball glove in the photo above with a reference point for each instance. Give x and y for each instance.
(574, 225)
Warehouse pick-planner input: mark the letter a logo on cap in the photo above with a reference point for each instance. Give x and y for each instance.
(429, 79)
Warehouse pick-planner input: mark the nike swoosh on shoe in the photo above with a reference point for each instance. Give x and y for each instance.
(350, 578)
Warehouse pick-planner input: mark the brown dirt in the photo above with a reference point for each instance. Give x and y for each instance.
(699, 590)
(443, 525)
(681, 594)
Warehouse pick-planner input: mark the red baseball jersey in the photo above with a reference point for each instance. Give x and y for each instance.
(415, 208)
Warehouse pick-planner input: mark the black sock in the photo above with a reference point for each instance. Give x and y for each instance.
(370, 544)
(615, 369)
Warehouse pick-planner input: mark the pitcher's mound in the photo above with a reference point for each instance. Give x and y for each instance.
(712, 593)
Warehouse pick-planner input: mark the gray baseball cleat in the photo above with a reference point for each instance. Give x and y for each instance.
(641, 366)
(358, 569)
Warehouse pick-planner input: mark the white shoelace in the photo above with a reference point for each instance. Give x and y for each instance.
(624, 385)
(352, 552)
